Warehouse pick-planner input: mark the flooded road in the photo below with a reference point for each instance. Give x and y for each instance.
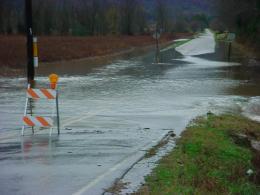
(111, 116)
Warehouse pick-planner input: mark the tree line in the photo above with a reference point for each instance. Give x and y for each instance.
(98, 17)
(77, 17)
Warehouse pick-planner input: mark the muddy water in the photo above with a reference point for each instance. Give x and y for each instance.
(206, 82)
(139, 86)
(115, 112)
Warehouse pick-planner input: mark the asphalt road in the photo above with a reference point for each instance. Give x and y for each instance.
(110, 117)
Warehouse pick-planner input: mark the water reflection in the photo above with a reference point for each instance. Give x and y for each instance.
(38, 148)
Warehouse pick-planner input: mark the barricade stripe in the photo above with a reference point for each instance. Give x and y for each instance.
(32, 93)
(53, 92)
(41, 93)
(34, 121)
(49, 121)
(37, 121)
(28, 121)
(47, 93)
(43, 121)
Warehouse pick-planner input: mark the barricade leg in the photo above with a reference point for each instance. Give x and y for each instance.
(25, 112)
(31, 112)
(57, 113)
(53, 115)
(50, 131)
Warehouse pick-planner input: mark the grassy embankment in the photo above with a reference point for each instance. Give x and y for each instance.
(212, 156)
(176, 44)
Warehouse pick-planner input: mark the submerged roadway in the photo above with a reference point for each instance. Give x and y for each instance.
(110, 117)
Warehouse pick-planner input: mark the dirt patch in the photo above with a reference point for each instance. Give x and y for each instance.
(153, 151)
(61, 48)
(248, 49)
(85, 65)
(248, 140)
(256, 162)
(59, 52)
(117, 187)
(12, 72)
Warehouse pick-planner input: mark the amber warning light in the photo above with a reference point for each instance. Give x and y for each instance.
(53, 80)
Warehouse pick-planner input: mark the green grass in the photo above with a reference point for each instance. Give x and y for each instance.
(176, 44)
(206, 160)
(220, 36)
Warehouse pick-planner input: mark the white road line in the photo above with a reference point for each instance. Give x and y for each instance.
(102, 176)
(69, 121)
(85, 116)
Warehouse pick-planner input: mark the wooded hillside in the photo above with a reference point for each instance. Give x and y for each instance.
(102, 17)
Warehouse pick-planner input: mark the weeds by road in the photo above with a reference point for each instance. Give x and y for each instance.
(211, 157)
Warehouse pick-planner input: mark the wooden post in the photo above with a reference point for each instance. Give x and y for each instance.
(157, 45)
(229, 50)
(157, 50)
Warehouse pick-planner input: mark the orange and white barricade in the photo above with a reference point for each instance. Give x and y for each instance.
(30, 120)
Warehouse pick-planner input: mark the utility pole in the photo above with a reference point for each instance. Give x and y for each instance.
(29, 31)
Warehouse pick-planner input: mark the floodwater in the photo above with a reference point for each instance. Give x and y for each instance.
(113, 114)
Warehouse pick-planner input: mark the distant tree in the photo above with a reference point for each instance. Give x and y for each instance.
(9, 17)
(98, 17)
(242, 17)
(128, 9)
(43, 16)
(112, 19)
(140, 18)
(162, 15)
(2, 17)
(199, 22)
(181, 25)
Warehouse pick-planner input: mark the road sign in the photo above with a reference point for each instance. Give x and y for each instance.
(156, 35)
(231, 37)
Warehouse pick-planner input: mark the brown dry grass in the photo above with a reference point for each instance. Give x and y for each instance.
(56, 48)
